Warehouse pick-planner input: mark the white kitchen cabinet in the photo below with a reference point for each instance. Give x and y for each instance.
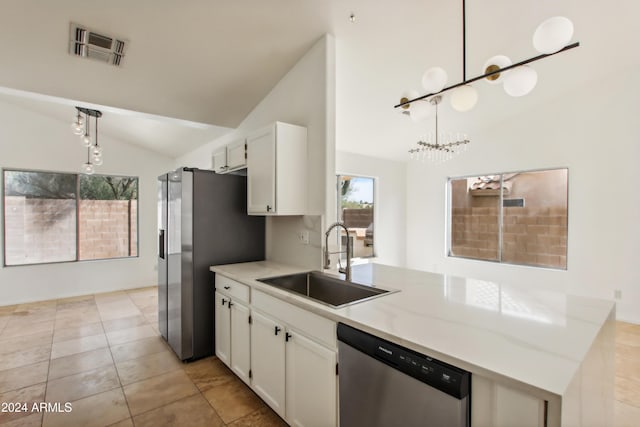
(268, 361)
(232, 328)
(240, 340)
(277, 170)
(497, 405)
(219, 160)
(294, 368)
(310, 365)
(237, 155)
(231, 157)
(223, 329)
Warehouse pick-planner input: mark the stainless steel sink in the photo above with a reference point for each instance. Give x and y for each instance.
(326, 289)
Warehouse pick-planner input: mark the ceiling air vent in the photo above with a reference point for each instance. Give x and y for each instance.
(90, 44)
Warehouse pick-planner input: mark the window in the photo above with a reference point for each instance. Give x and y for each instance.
(516, 218)
(61, 217)
(355, 209)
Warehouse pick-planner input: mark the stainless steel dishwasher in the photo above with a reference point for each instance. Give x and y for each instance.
(383, 384)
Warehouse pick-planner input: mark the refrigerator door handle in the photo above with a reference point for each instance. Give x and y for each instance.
(161, 244)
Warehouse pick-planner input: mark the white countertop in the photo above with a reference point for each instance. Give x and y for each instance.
(503, 331)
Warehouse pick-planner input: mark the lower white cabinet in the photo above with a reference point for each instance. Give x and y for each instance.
(240, 345)
(496, 405)
(223, 329)
(286, 354)
(268, 368)
(232, 335)
(310, 366)
(293, 374)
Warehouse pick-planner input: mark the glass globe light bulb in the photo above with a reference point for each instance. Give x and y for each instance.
(86, 140)
(553, 34)
(77, 129)
(87, 168)
(464, 98)
(97, 150)
(520, 81)
(434, 79)
(494, 64)
(97, 160)
(407, 96)
(420, 110)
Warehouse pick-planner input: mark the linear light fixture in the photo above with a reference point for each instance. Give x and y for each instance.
(550, 38)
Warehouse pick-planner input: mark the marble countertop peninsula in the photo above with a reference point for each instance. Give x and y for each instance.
(535, 338)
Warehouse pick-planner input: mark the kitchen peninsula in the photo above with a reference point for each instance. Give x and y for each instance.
(536, 357)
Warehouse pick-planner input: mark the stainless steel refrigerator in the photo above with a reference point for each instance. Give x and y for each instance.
(202, 221)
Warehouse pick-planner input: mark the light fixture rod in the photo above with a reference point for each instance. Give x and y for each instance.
(437, 102)
(464, 41)
(97, 129)
(464, 82)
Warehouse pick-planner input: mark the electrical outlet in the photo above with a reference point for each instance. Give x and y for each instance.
(617, 294)
(303, 237)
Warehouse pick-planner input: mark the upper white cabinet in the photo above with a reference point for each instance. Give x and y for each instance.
(277, 170)
(219, 160)
(237, 154)
(231, 157)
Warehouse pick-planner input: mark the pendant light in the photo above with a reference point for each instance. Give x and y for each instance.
(551, 37)
(82, 127)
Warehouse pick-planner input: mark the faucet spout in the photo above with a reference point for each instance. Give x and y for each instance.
(327, 259)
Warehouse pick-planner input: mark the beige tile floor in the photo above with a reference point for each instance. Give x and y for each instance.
(103, 354)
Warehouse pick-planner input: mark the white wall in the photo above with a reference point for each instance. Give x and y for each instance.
(32, 141)
(595, 132)
(304, 96)
(390, 202)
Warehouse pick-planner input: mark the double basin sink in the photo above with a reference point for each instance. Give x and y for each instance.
(326, 289)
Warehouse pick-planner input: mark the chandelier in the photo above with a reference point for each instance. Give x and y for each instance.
(550, 37)
(82, 127)
(439, 147)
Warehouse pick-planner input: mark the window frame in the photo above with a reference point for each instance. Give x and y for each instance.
(375, 211)
(449, 219)
(77, 217)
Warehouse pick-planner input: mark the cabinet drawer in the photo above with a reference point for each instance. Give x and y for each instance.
(231, 288)
(319, 328)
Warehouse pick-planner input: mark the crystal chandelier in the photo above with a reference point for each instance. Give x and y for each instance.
(439, 147)
(82, 127)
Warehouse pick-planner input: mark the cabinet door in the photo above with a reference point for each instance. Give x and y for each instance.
(223, 328)
(261, 177)
(310, 367)
(219, 160)
(267, 361)
(240, 341)
(514, 407)
(236, 154)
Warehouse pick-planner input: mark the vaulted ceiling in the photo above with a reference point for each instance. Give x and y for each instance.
(196, 68)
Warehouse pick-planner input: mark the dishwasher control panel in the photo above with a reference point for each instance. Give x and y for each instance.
(443, 376)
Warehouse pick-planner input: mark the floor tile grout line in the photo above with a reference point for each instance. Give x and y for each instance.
(115, 366)
(46, 379)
